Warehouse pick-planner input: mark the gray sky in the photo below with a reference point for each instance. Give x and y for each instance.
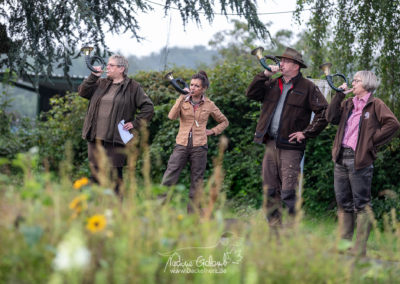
(155, 28)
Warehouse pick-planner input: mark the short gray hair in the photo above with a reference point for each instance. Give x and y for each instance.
(121, 61)
(369, 81)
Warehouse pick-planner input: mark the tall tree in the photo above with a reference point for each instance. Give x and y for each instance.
(36, 35)
(364, 35)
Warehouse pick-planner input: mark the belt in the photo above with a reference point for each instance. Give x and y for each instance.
(347, 152)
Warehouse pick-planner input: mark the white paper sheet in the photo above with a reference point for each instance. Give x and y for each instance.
(126, 136)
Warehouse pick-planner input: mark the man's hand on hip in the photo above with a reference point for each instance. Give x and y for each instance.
(296, 136)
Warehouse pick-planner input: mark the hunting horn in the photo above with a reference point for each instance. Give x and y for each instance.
(326, 68)
(257, 52)
(176, 83)
(92, 59)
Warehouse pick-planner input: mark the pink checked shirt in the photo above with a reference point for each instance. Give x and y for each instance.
(352, 125)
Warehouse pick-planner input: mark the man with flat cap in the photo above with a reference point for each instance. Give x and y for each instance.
(284, 126)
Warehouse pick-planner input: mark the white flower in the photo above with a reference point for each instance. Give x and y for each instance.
(71, 252)
(109, 215)
(34, 150)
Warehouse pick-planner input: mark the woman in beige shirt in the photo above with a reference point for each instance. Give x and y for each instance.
(193, 111)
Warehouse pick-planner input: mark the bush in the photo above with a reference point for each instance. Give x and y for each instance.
(94, 238)
(60, 133)
(17, 133)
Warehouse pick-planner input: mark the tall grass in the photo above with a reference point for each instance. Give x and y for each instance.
(56, 231)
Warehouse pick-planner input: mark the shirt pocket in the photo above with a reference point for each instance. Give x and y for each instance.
(203, 116)
(187, 111)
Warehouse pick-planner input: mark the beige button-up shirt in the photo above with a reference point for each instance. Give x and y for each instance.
(196, 120)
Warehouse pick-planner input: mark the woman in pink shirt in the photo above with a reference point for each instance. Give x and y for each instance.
(365, 123)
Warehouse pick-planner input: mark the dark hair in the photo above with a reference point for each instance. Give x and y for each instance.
(202, 75)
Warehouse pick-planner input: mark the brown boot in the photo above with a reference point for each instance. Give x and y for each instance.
(346, 225)
(363, 230)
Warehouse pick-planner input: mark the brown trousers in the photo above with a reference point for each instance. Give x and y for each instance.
(197, 156)
(352, 187)
(116, 158)
(280, 172)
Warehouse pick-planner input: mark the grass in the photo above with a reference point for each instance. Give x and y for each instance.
(56, 231)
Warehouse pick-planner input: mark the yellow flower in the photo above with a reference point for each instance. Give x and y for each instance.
(96, 223)
(81, 182)
(179, 217)
(79, 203)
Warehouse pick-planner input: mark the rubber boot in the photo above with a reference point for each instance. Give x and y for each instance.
(363, 230)
(273, 208)
(289, 199)
(346, 225)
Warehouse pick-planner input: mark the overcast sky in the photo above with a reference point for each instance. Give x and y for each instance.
(155, 28)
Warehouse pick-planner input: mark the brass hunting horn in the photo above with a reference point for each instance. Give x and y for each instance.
(257, 52)
(176, 83)
(326, 68)
(90, 60)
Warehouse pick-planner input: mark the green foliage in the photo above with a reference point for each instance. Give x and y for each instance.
(318, 194)
(364, 37)
(386, 184)
(145, 240)
(60, 133)
(17, 134)
(243, 157)
(50, 32)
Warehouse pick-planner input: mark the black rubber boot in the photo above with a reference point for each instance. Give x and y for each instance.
(363, 230)
(346, 225)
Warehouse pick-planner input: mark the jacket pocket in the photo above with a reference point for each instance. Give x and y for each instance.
(297, 99)
(203, 116)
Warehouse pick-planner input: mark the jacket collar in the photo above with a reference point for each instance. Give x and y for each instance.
(294, 80)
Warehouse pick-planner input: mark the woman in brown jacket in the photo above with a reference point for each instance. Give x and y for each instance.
(112, 100)
(365, 123)
(193, 111)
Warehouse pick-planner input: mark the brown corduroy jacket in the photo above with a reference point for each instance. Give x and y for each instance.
(377, 127)
(127, 101)
(188, 117)
(303, 99)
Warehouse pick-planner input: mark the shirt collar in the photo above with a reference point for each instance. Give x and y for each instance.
(187, 99)
(363, 99)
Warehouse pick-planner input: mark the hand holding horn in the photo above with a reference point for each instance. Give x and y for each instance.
(257, 52)
(326, 68)
(90, 60)
(177, 83)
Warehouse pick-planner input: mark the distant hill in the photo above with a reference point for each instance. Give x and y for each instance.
(195, 57)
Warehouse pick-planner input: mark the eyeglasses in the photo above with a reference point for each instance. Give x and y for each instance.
(112, 65)
(356, 80)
